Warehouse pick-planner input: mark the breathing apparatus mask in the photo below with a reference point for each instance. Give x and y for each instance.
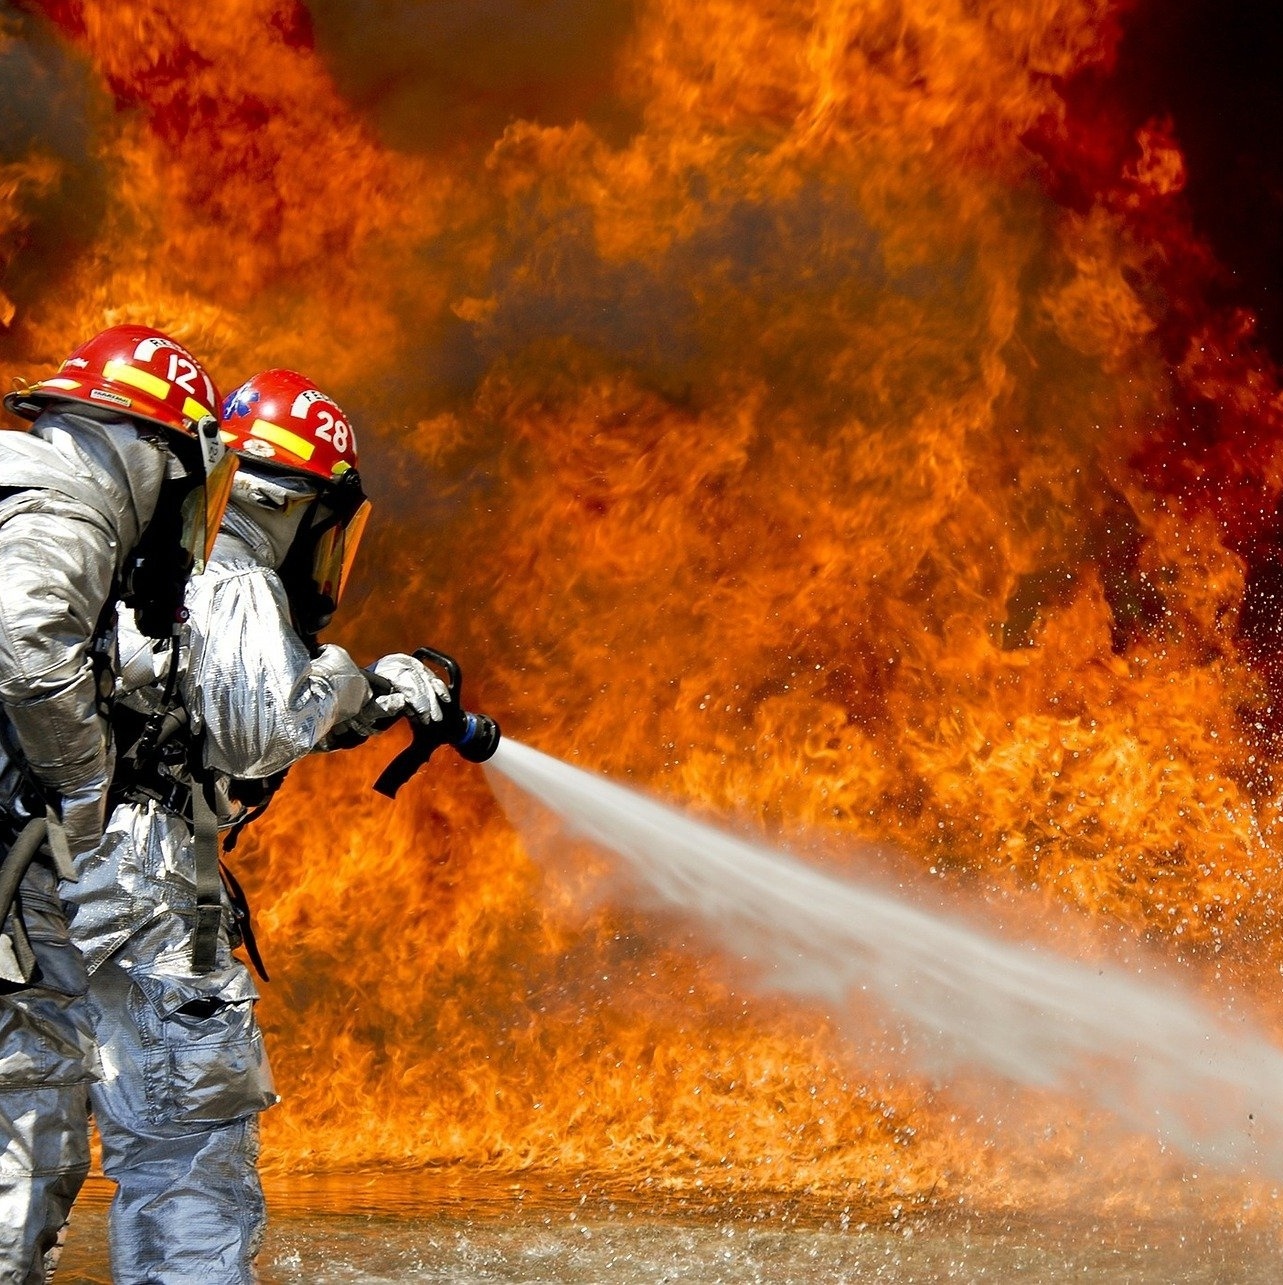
(312, 531)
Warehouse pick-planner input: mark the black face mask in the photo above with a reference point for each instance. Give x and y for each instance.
(156, 576)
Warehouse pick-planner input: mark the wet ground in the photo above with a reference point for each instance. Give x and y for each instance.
(360, 1231)
(641, 1251)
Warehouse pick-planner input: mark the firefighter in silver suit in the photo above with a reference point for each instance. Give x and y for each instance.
(184, 1073)
(111, 492)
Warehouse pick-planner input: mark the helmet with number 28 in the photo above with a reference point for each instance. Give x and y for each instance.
(280, 422)
(282, 419)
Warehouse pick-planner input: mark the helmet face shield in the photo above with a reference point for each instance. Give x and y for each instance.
(336, 546)
(203, 511)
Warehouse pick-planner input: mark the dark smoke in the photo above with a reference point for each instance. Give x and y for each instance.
(714, 301)
(50, 107)
(434, 74)
(1213, 70)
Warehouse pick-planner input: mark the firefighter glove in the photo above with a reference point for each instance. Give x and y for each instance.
(402, 685)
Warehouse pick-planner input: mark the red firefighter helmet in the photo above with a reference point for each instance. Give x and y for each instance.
(144, 375)
(135, 370)
(281, 418)
(282, 422)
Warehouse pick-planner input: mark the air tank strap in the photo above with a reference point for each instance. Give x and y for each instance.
(165, 736)
(209, 887)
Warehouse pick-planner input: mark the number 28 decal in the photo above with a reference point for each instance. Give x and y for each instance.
(333, 430)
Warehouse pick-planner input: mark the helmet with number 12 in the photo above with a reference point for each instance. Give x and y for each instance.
(146, 376)
(281, 422)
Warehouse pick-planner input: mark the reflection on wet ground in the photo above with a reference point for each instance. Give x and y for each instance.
(367, 1230)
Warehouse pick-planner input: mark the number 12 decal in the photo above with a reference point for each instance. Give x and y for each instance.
(183, 373)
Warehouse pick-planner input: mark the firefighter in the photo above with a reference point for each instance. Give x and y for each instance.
(184, 1073)
(116, 491)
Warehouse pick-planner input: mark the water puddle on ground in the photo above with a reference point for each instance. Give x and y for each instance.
(367, 1229)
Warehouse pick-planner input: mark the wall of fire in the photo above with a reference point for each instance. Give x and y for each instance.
(853, 417)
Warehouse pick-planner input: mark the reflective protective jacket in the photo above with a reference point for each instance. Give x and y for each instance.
(256, 702)
(76, 493)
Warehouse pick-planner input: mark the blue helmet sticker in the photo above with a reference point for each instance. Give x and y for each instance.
(240, 402)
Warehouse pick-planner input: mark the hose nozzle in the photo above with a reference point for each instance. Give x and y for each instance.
(480, 738)
(474, 736)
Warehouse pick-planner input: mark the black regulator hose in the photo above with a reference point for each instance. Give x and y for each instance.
(17, 861)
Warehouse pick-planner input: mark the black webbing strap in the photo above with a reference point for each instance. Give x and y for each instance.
(243, 919)
(209, 887)
(17, 861)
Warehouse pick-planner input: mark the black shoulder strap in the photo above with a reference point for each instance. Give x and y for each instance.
(209, 887)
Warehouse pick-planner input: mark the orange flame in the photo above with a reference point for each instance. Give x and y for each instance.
(833, 434)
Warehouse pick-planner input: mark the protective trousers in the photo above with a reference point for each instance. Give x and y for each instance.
(184, 1077)
(47, 1063)
(184, 1073)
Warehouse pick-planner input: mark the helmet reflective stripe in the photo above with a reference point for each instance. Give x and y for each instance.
(121, 373)
(149, 347)
(283, 438)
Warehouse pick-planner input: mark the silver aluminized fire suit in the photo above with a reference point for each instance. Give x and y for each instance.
(76, 492)
(184, 1074)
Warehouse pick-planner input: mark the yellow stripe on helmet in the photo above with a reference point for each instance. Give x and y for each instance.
(194, 410)
(143, 380)
(283, 438)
